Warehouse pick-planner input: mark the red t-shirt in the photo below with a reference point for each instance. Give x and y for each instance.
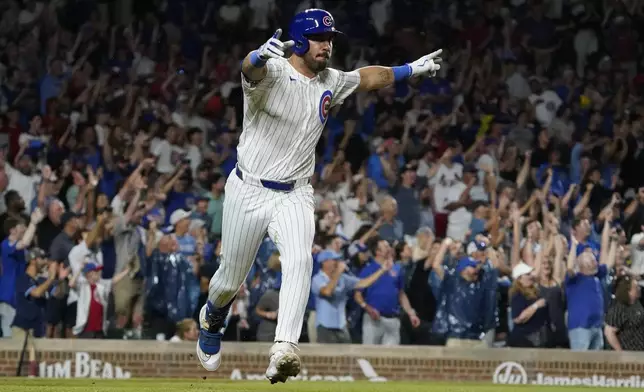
(95, 316)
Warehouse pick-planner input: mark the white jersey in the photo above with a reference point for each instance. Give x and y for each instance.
(284, 116)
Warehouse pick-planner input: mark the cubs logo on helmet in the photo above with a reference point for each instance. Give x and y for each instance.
(310, 22)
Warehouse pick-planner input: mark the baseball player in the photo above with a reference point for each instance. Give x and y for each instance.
(287, 99)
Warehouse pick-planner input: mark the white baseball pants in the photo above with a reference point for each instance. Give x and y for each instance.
(250, 212)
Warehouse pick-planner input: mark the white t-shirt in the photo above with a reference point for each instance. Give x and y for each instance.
(458, 221)
(261, 11)
(518, 86)
(194, 154)
(102, 294)
(442, 182)
(354, 217)
(546, 110)
(76, 259)
(169, 156)
(447, 176)
(26, 186)
(144, 65)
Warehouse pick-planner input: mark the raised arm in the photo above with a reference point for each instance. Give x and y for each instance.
(572, 256)
(254, 64)
(515, 253)
(605, 240)
(559, 272)
(437, 264)
(583, 203)
(371, 279)
(375, 77)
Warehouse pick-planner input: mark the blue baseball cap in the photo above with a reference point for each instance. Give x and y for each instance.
(89, 267)
(327, 255)
(466, 262)
(475, 246)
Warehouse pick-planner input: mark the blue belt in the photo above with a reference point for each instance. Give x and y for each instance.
(274, 185)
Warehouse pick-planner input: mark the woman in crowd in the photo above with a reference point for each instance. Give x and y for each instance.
(529, 311)
(550, 273)
(625, 317)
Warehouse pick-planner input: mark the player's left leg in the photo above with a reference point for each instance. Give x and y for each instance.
(292, 229)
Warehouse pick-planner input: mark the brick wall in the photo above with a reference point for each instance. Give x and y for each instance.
(124, 359)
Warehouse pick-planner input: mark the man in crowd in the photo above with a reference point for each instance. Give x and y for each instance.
(383, 300)
(331, 286)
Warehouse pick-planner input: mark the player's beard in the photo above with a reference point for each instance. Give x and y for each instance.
(316, 64)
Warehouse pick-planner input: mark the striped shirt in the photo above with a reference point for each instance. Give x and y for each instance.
(284, 115)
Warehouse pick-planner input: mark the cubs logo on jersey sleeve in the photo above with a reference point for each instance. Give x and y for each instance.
(325, 106)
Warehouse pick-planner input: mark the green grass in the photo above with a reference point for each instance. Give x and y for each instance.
(173, 385)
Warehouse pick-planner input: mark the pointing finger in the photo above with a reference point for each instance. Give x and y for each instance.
(278, 34)
(288, 44)
(436, 53)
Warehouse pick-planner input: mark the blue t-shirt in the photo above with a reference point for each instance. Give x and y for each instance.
(519, 303)
(13, 266)
(586, 299)
(30, 311)
(331, 311)
(382, 295)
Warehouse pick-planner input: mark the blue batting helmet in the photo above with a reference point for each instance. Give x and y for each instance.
(310, 22)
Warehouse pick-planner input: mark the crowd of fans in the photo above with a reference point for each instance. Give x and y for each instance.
(500, 203)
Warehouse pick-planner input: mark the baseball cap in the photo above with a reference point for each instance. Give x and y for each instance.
(89, 267)
(521, 269)
(196, 224)
(464, 263)
(35, 253)
(67, 216)
(476, 246)
(179, 215)
(355, 248)
(327, 255)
